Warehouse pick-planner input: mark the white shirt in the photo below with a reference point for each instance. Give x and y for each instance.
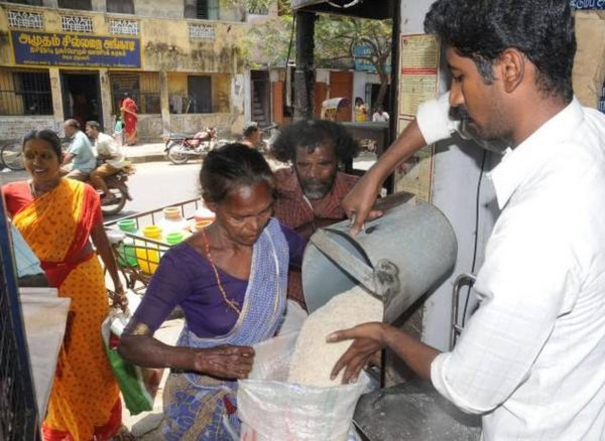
(107, 146)
(380, 117)
(532, 357)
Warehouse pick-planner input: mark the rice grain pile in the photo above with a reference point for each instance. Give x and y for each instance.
(314, 358)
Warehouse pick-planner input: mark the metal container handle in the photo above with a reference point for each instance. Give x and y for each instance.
(336, 252)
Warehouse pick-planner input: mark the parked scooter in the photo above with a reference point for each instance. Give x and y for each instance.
(180, 147)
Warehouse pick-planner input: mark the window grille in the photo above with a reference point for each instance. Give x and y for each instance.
(200, 94)
(25, 93)
(25, 20)
(124, 27)
(120, 6)
(206, 9)
(76, 23)
(144, 89)
(83, 5)
(201, 32)
(27, 2)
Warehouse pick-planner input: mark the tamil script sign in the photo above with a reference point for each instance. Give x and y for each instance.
(57, 49)
(587, 4)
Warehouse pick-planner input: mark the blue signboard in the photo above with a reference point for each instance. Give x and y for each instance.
(57, 49)
(363, 64)
(587, 4)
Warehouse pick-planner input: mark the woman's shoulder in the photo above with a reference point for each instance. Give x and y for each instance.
(15, 187)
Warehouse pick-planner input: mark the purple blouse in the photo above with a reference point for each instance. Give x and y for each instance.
(184, 277)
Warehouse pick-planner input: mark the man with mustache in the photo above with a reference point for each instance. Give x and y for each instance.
(530, 359)
(311, 190)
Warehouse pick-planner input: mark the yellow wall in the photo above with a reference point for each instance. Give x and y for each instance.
(165, 43)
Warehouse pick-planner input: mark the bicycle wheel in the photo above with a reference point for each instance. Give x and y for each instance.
(12, 156)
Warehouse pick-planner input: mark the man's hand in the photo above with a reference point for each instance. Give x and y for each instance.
(369, 339)
(228, 362)
(358, 204)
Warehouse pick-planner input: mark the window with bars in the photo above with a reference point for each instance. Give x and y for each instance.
(202, 9)
(25, 93)
(84, 5)
(27, 2)
(120, 6)
(199, 88)
(144, 89)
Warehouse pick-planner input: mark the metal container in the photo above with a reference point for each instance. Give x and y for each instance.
(398, 258)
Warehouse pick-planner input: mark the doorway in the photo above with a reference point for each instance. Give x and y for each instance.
(81, 97)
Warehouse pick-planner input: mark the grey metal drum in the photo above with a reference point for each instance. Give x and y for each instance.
(398, 258)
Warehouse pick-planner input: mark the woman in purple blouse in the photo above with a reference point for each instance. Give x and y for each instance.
(230, 279)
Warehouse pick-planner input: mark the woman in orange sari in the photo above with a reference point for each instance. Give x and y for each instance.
(129, 111)
(58, 217)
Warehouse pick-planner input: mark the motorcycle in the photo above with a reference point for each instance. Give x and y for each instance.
(118, 187)
(180, 147)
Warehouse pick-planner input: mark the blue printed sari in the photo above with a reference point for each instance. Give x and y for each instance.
(201, 408)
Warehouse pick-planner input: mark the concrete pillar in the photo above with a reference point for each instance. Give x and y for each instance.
(57, 96)
(165, 102)
(106, 104)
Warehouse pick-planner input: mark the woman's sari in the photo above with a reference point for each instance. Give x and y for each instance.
(201, 408)
(130, 118)
(84, 401)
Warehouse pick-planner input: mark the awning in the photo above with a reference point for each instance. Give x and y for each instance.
(374, 9)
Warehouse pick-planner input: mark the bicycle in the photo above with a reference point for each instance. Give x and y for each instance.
(11, 156)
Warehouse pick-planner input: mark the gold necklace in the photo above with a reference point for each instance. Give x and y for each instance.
(230, 303)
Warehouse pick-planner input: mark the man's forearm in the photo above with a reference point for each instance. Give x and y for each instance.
(414, 353)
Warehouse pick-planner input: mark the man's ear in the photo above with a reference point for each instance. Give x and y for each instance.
(512, 66)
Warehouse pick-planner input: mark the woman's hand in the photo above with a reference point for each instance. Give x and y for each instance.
(119, 297)
(369, 339)
(358, 203)
(229, 362)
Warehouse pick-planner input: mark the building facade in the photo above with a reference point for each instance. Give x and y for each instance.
(182, 62)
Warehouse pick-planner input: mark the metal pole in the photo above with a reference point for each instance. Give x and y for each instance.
(304, 74)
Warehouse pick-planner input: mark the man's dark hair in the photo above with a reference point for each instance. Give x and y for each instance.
(94, 125)
(231, 166)
(46, 135)
(310, 134)
(482, 29)
(250, 128)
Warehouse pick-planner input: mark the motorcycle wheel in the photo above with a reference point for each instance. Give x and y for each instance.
(118, 205)
(176, 154)
(12, 156)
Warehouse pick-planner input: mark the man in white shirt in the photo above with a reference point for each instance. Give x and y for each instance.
(531, 358)
(380, 115)
(108, 152)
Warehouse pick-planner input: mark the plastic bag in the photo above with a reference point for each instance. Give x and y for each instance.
(138, 385)
(271, 409)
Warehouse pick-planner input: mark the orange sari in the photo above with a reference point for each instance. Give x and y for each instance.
(84, 401)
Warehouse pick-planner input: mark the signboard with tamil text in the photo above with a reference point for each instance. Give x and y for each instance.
(587, 4)
(59, 49)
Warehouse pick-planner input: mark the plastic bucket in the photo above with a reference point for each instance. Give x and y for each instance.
(128, 225)
(174, 237)
(148, 256)
(399, 257)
